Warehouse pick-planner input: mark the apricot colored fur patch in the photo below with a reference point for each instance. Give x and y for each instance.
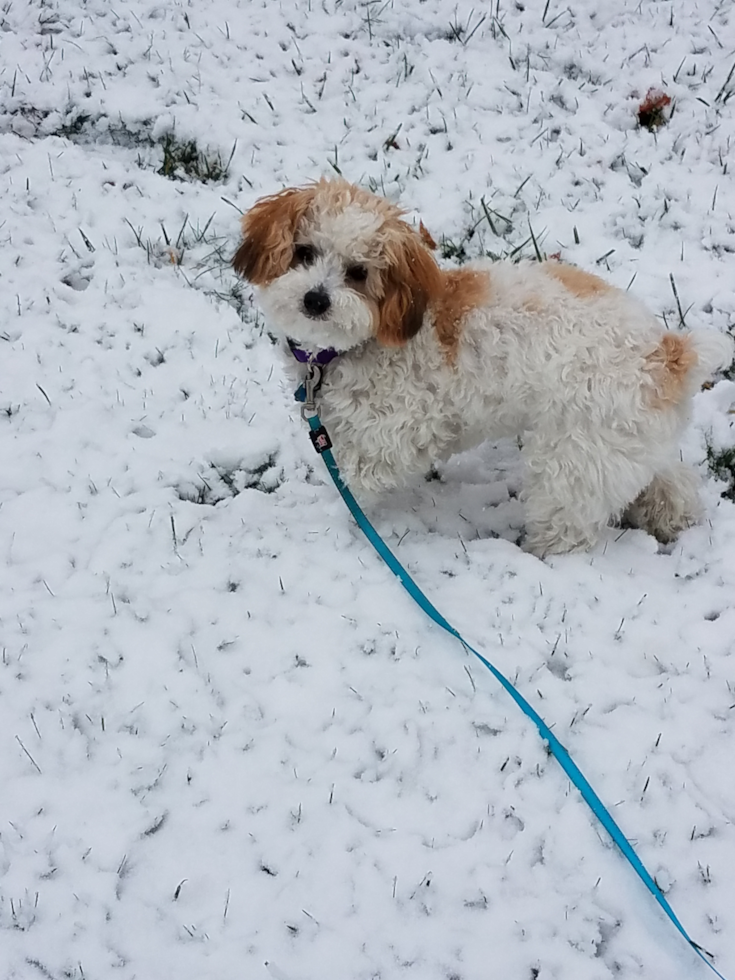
(577, 281)
(463, 290)
(668, 367)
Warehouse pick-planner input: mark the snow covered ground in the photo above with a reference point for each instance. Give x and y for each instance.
(230, 746)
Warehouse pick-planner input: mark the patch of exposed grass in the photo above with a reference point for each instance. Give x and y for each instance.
(505, 244)
(184, 159)
(722, 464)
(449, 249)
(463, 33)
(217, 483)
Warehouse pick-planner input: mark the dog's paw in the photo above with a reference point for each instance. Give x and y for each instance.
(546, 541)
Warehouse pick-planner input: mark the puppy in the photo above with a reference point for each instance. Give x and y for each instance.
(428, 361)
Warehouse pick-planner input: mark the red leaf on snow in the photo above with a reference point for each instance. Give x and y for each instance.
(652, 110)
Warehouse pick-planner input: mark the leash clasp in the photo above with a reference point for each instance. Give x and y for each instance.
(312, 381)
(306, 394)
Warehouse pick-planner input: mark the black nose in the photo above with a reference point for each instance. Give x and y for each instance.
(316, 301)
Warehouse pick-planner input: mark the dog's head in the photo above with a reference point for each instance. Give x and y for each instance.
(336, 265)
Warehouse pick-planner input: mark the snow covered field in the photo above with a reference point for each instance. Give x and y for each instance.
(230, 746)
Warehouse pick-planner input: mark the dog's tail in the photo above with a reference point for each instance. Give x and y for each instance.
(682, 362)
(714, 352)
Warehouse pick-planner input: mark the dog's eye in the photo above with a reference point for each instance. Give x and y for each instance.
(304, 254)
(357, 273)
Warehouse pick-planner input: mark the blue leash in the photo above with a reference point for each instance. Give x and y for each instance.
(322, 444)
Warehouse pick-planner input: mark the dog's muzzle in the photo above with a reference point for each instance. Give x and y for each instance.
(316, 302)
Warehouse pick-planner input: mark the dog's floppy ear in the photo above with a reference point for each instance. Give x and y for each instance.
(410, 281)
(268, 231)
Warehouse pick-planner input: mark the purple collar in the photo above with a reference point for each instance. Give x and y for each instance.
(320, 357)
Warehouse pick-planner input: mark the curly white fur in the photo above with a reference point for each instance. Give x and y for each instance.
(582, 372)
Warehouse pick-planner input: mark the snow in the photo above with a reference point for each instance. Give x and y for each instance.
(231, 746)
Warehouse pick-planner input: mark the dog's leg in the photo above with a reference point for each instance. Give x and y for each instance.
(669, 504)
(574, 485)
